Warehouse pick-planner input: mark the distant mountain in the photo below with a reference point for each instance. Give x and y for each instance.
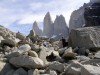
(23, 28)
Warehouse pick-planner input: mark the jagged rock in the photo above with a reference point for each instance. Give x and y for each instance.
(62, 50)
(24, 48)
(94, 62)
(56, 66)
(10, 72)
(20, 71)
(32, 53)
(48, 27)
(27, 62)
(83, 51)
(90, 70)
(74, 69)
(32, 35)
(97, 55)
(82, 58)
(69, 53)
(1, 38)
(9, 42)
(51, 72)
(20, 36)
(57, 44)
(6, 33)
(4, 68)
(33, 72)
(95, 1)
(77, 18)
(43, 54)
(60, 26)
(13, 54)
(36, 29)
(35, 48)
(92, 14)
(85, 37)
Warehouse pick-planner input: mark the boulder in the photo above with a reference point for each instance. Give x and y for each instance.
(56, 66)
(24, 48)
(73, 69)
(43, 54)
(4, 68)
(20, 36)
(1, 38)
(90, 70)
(32, 53)
(51, 72)
(82, 58)
(20, 71)
(83, 51)
(97, 55)
(10, 72)
(35, 47)
(33, 72)
(85, 37)
(69, 53)
(13, 54)
(9, 42)
(27, 62)
(94, 62)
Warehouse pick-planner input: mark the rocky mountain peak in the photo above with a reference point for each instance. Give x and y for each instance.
(60, 26)
(48, 26)
(36, 29)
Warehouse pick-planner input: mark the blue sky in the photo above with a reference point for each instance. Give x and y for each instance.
(27, 11)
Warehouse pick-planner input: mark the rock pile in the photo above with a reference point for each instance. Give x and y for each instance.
(28, 58)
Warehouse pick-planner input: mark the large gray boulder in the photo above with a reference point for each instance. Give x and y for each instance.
(24, 48)
(90, 70)
(48, 27)
(69, 53)
(27, 62)
(85, 37)
(97, 55)
(20, 71)
(33, 72)
(32, 53)
(9, 42)
(73, 69)
(56, 66)
(5, 68)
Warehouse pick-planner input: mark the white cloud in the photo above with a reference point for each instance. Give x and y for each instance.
(29, 11)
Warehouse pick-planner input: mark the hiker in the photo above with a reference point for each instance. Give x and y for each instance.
(45, 44)
(63, 42)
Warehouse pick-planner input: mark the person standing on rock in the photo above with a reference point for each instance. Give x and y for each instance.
(63, 42)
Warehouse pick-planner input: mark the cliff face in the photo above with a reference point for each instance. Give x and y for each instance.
(95, 1)
(92, 14)
(48, 27)
(60, 26)
(77, 18)
(36, 29)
